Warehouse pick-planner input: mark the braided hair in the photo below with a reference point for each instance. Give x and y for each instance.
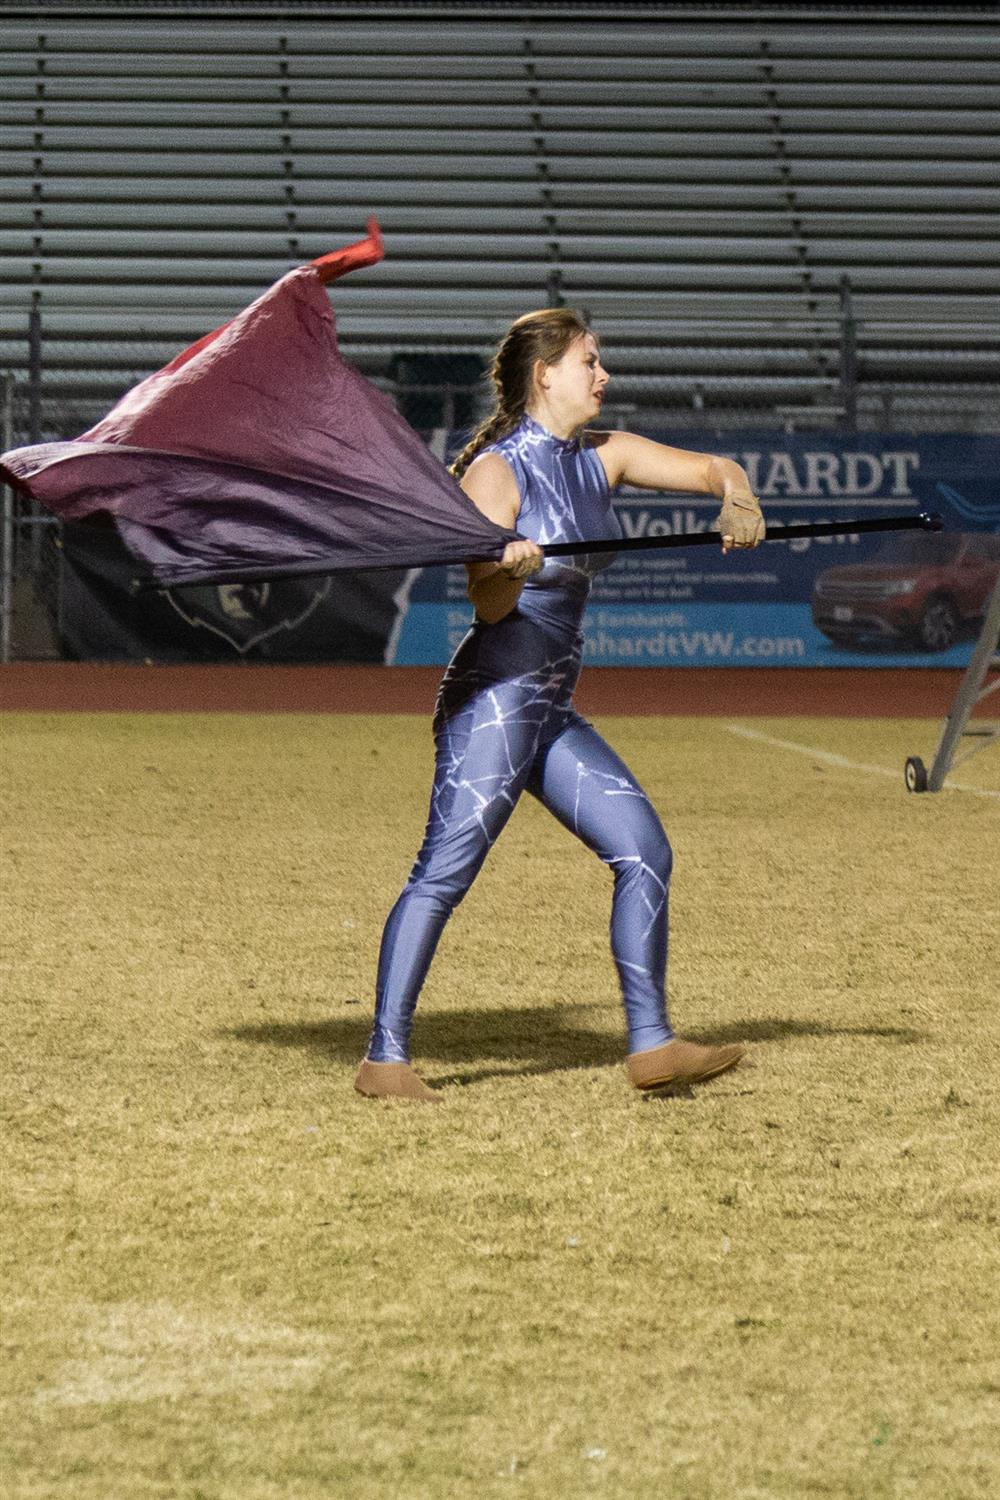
(544, 335)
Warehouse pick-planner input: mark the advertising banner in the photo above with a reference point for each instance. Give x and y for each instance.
(902, 599)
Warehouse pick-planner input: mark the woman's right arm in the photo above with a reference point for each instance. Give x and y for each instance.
(494, 588)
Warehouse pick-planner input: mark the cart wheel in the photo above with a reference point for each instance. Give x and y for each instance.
(916, 774)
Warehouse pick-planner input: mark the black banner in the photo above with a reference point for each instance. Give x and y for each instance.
(347, 617)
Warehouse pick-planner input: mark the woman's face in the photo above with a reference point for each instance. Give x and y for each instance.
(574, 385)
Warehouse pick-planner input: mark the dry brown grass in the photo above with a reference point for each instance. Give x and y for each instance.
(229, 1278)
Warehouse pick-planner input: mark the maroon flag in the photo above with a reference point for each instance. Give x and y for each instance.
(259, 452)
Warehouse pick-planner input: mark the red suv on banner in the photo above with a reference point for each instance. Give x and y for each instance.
(923, 589)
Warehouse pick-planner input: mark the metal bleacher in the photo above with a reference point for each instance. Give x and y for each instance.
(700, 187)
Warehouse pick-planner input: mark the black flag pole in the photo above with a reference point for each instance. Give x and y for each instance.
(254, 573)
(924, 521)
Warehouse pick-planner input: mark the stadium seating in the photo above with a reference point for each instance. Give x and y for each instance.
(700, 190)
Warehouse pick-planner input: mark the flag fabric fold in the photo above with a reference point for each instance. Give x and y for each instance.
(260, 452)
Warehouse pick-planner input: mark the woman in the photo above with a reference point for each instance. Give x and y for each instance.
(504, 720)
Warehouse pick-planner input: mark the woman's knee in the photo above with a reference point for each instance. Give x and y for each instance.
(446, 869)
(644, 841)
(657, 853)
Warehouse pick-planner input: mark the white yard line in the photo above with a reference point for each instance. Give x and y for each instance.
(848, 765)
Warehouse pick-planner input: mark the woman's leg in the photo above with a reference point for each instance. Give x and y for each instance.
(591, 791)
(581, 779)
(484, 752)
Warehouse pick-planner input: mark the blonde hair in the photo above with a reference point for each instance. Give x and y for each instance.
(544, 335)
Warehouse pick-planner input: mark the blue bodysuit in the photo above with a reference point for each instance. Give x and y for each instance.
(504, 723)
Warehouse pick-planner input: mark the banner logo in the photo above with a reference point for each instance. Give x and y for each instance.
(244, 614)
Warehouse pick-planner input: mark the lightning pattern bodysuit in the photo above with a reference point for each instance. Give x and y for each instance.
(503, 724)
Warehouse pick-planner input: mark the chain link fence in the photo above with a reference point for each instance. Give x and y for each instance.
(29, 555)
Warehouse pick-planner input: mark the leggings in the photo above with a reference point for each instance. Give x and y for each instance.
(503, 739)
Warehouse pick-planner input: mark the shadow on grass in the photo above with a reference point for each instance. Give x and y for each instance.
(779, 1029)
(522, 1042)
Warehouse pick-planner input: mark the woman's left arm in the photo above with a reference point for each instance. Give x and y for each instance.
(631, 459)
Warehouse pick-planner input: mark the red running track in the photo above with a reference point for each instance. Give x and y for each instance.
(867, 692)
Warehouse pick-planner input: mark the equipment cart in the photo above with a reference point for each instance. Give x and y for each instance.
(985, 659)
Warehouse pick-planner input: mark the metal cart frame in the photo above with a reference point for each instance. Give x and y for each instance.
(985, 658)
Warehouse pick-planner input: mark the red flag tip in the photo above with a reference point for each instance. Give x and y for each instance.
(375, 234)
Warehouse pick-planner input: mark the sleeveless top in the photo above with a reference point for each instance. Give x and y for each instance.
(565, 497)
(537, 648)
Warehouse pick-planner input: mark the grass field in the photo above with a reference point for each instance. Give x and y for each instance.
(227, 1277)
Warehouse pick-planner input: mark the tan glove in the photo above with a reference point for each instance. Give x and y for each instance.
(521, 559)
(740, 520)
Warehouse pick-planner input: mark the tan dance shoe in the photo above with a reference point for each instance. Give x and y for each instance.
(392, 1080)
(680, 1062)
